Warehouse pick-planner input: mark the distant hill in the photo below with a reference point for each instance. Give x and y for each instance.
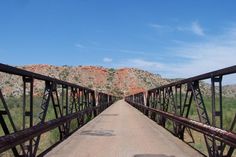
(119, 82)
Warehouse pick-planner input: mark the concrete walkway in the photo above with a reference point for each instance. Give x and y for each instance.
(122, 131)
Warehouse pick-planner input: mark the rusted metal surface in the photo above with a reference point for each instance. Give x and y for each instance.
(73, 102)
(12, 140)
(173, 101)
(220, 134)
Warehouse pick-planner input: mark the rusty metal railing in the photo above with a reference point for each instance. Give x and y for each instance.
(173, 102)
(69, 102)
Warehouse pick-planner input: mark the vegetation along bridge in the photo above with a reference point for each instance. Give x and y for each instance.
(65, 119)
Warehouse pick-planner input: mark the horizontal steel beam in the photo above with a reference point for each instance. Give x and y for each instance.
(14, 139)
(219, 134)
(221, 72)
(84, 95)
(20, 72)
(17, 71)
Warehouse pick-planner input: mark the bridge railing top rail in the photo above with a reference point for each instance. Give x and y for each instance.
(20, 72)
(217, 73)
(173, 103)
(57, 104)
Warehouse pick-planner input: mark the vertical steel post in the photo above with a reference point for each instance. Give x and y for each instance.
(216, 150)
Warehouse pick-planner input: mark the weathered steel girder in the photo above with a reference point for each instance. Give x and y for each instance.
(170, 105)
(225, 136)
(69, 102)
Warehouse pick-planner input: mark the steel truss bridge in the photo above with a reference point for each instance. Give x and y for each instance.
(74, 106)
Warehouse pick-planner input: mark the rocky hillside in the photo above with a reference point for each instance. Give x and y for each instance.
(119, 82)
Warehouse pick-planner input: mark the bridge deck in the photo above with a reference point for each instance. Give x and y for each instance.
(122, 131)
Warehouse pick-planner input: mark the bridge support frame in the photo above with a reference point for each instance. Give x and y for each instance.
(169, 101)
(68, 101)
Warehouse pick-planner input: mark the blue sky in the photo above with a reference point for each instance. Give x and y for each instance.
(172, 38)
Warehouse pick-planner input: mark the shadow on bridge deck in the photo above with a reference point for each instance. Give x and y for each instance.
(122, 131)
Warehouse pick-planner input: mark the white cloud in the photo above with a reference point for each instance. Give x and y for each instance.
(107, 60)
(156, 26)
(197, 29)
(217, 52)
(194, 58)
(145, 64)
(79, 45)
(161, 28)
(133, 52)
(125, 51)
(194, 28)
(148, 65)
